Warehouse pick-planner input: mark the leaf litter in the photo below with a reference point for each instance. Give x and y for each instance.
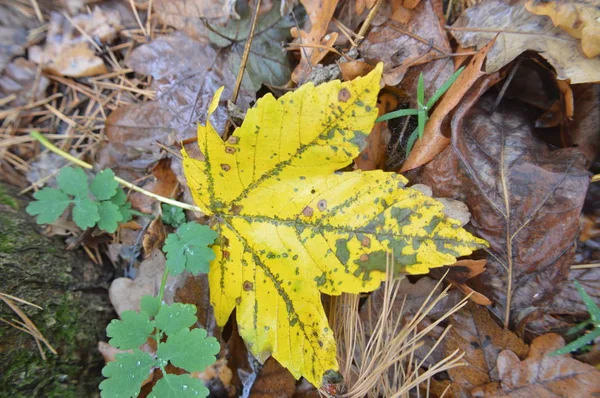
(152, 69)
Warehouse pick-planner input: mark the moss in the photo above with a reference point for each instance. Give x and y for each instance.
(75, 313)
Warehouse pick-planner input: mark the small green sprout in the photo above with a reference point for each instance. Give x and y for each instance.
(101, 202)
(423, 108)
(593, 321)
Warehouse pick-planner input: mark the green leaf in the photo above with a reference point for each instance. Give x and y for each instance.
(85, 212)
(73, 181)
(110, 216)
(172, 318)
(150, 305)
(119, 198)
(126, 374)
(172, 215)
(104, 186)
(267, 62)
(188, 249)
(440, 91)
(179, 386)
(189, 350)
(50, 203)
(131, 331)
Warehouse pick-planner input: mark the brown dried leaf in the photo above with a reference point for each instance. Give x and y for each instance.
(519, 31)
(70, 53)
(375, 153)
(401, 46)
(186, 74)
(191, 16)
(154, 236)
(580, 19)
(319, 13)
(459, 273)
(585, 127)
(12, 42)
(19, 79)
(475, 332)
(524, 198)
(273, 380)
(541, 375)
(434, 141)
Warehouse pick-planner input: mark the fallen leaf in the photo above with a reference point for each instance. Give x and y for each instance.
(476, 334)
(186, 73)
(267, 61)
(12, 43)
(125, 294)
(374, 155)
(68, 52)
(164, 183)
(434, 141)
(195, 291)
(353, 69)
(525, 199)
(408, 47)
(584, 130)
(580, 19)
(274, 258)
(319, 13)
(273, 380)
(154, 238)
(192, 16)
(459, 273)
(517, 31)
(541, 375)
(19, 79)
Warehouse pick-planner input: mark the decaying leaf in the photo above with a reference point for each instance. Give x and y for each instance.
(459, 273)
(581, 19)
(191, 16)
(68, 52)
(291, 228)
(541, 375)
(319, 13)
(398, 46)
(267, 61)
(519, 31)
(186, 73)
(524, 199)
(273, 380)
(475, 332)
(19, 80)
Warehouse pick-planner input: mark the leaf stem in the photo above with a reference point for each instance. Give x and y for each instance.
(81, 163)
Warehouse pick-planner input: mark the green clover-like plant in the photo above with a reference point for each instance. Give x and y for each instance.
(100, 203)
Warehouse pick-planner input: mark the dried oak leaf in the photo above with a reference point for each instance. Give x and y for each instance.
(581, 19)
(519, 31)
(476, 334)
(524, 199)
(541, 375)
(323, 232)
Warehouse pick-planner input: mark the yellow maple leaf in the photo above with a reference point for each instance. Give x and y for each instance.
(291, 227)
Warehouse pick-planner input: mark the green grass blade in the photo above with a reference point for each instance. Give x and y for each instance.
(396, 114)
(422, 120)
(579, 327)
(440, 91)
(421, 91)
(411, 141)
(580, 342)
(589, 303)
